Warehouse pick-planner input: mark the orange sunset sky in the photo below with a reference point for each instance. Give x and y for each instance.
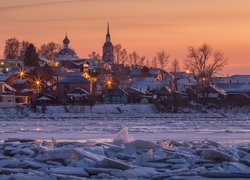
(146, 26)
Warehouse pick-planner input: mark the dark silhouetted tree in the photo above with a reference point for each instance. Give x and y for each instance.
(175, 65)
(154, 62)
(141, 61)
(124, 56)
(117, 53)
(95, 55)
(133, 58)
(49, 50)
(30, 56)
(23, 47)
(11, 50)
(162, 59)
(204, 62)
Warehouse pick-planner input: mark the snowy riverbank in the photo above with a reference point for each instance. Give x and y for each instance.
(143, 121)
(123, 158)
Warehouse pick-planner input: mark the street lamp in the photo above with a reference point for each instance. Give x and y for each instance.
(38, 85)
(21, 74)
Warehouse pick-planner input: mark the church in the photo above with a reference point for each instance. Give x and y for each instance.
(108, 49)
(68, 54)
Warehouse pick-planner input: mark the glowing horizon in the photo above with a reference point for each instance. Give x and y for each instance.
(144, 26)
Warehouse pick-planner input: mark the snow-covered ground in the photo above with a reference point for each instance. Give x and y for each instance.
(103, 121)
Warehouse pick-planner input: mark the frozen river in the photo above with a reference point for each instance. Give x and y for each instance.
(148, 127)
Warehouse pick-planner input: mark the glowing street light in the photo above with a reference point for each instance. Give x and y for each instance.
(187, 71)
(38, 84)
(203, 78)
(109, 84)
(21, 74)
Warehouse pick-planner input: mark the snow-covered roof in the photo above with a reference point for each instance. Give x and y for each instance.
(218, 89)
(4, 77)
(221, 80)
(118, 91)
(27, 90)
(135, 72)
(143, 84)
(43, 58)
(241, 78)
(74, 78)
(76, 95)
(43, 98)
(79, 90)
(20, 81)
(8, 87)
(234, 88)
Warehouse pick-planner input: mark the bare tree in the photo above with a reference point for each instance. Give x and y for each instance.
(141, 61)
(162, 59)
(11, 50)
(133, 58)
(204, 62)
(49, 50)
(124, 56)
(95, 55)
(117, 53)
(175, 65)
(154, 62)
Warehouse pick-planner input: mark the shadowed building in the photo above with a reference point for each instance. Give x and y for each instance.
(70, 83)
(108, 49)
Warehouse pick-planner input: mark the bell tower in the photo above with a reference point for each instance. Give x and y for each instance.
(108, 49)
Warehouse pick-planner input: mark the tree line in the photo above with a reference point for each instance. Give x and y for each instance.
(203, 62)
(122, 56)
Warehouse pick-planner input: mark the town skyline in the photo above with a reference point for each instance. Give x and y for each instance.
(172, 27)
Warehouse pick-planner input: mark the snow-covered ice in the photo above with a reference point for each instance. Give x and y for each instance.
(136, 159)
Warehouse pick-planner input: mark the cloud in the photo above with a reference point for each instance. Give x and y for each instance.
(38, 4)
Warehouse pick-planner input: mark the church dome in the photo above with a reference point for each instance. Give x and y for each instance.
(66, 40)
(67, 52)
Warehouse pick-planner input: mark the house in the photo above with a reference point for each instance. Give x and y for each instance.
(134, 95)
(163, 94)
(70, 83)
(116, 96)
(78, 96)
(20, 84)
(8, 95)
(240, 78)
(45, 99)
(91, 65)
(149, 83)
(235, 93)
(222, 80)
(135, 72)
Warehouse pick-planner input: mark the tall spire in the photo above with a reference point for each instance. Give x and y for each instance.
(108, 35)
(108, 29)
